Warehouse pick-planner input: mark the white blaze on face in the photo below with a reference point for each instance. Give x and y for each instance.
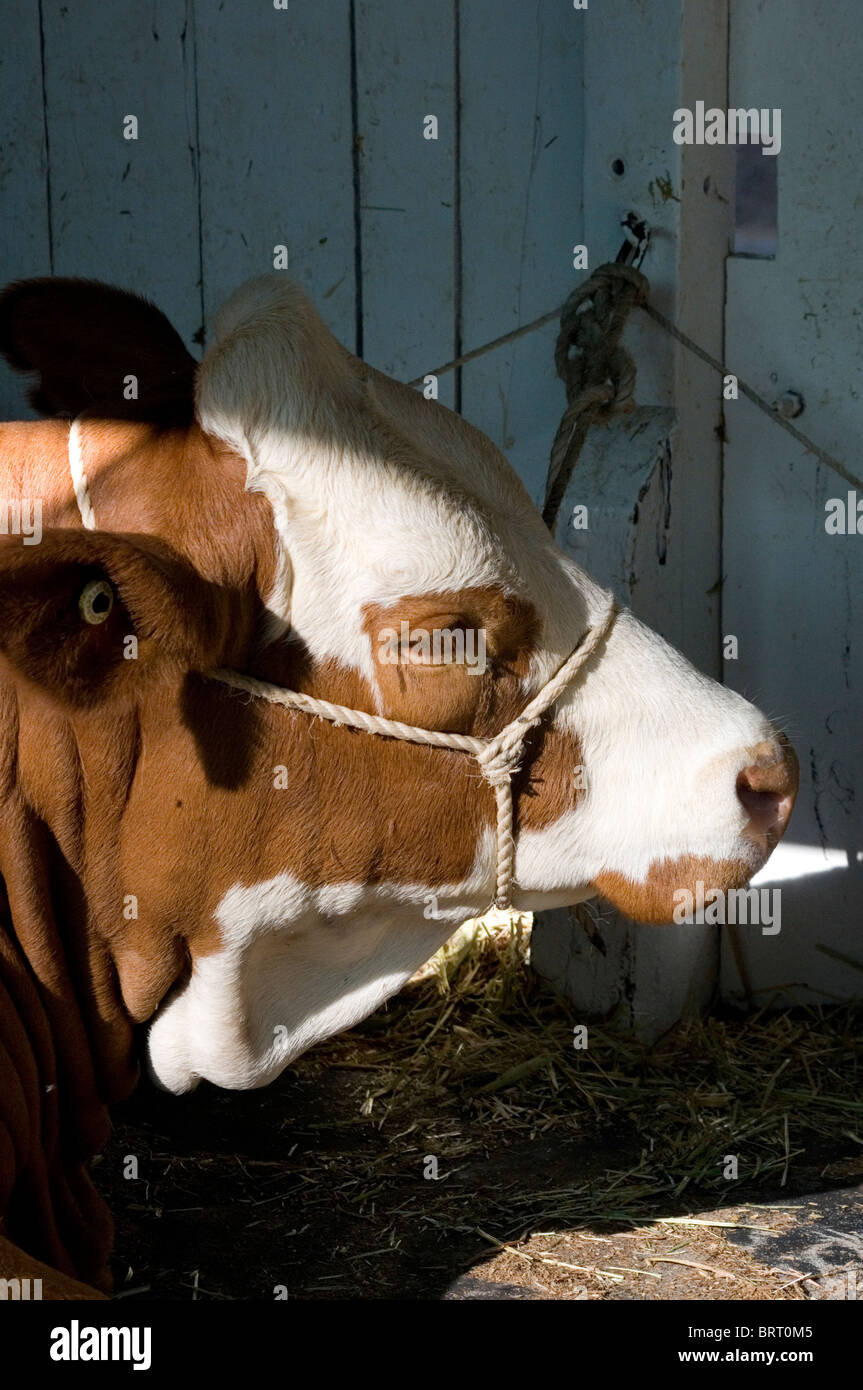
(377, 493)
(662, 747)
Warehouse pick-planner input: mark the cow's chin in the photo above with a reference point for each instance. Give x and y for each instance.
(661, 897)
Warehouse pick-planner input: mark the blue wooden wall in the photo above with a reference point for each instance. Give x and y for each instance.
(303, 126)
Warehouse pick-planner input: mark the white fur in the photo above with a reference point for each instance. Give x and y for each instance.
(662, 747)
(298, 965)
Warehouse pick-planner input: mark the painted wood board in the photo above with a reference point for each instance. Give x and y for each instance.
(275, 137)
(522, 135)
(407, 187)
(125, 211)
(25, 242)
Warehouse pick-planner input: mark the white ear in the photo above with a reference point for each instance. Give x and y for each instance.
(281, 392)
(275, 379)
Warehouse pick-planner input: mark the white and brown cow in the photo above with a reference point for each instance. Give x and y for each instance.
(245, 879)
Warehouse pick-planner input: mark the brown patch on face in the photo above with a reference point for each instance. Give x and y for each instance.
(652, 901)
(479, 695)
(451, 697)
(548, 785)
(356, 808)
(365, 808)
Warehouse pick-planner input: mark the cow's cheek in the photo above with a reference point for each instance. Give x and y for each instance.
(663, 893)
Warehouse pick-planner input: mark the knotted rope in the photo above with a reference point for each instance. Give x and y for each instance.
(498, 758)
(595, 368)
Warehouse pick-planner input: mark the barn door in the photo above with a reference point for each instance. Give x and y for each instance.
(793, 592)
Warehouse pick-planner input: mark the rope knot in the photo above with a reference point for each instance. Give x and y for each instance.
(500, 759)
(597, 371)
(498, 770)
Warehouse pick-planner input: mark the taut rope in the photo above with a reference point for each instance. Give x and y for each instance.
(619, 270)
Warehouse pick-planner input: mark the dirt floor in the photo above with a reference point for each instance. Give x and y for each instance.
(457, 1146)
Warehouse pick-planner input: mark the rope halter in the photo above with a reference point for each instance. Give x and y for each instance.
(498, 758)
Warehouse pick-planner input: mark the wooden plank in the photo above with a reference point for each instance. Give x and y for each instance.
(405, 72)
(275, 132)
(24, 223)
(792, 595)
(123, 210)
(520, 194)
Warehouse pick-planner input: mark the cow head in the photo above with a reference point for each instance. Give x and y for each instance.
(261, 878)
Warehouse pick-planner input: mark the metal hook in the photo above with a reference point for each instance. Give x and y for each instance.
(637, 234)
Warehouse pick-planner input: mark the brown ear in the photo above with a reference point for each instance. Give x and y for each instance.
(85, 340)
(89, 616)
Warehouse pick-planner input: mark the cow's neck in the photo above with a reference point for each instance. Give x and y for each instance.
(65, 1036)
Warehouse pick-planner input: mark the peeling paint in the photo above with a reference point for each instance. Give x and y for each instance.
(663, 524)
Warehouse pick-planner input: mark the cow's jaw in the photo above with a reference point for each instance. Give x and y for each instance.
(298, 964)
(299, 961)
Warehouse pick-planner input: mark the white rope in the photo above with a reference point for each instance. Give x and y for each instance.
(79, 477)
(498, 758)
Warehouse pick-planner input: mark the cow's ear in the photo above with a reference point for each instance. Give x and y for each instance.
(96, 348)
(89, 617)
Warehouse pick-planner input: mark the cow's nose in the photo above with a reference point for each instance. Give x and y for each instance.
(767, 787)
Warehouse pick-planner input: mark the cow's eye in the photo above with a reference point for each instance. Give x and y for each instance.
(438, 642)
(96, 601)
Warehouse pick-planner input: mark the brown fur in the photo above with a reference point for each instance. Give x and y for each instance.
(83, 339)
(653, 900)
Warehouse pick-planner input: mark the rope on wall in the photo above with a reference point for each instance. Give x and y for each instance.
(613, 288)
(752, 395)
(594, 366)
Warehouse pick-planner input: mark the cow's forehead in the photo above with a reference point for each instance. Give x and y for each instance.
(376, 491)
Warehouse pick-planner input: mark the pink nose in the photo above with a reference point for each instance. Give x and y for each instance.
(767, 787)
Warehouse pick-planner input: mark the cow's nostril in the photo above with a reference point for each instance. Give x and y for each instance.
(766, 789)
(765, 809)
